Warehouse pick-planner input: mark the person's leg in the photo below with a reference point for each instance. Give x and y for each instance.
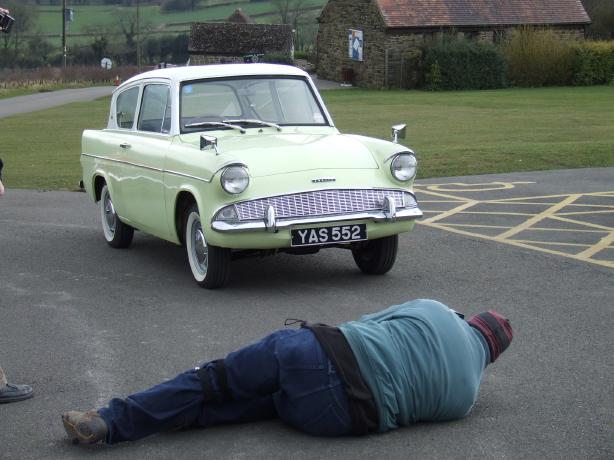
(252, 377)
(10, 392)
(173, 404)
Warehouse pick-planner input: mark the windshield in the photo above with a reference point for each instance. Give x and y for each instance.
(253, 101)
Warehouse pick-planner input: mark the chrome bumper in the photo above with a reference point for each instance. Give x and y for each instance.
(271, 224)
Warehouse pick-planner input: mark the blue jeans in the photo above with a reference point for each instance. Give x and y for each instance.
(285, 375)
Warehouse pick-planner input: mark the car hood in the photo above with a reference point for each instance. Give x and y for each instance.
(281, 153)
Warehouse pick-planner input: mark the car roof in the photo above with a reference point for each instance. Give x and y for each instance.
(217, 71)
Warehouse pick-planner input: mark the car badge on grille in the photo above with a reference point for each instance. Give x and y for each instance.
(319, 180)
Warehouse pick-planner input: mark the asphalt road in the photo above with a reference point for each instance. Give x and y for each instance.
(83, 322)
(40, 101)
(46, 100)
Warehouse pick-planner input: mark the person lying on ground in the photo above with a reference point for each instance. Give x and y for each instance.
(419, 361)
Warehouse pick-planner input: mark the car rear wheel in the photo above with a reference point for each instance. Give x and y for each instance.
(210, 264)
(376, 257)
(117, 234)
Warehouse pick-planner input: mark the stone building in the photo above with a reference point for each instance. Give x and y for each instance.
(366, 41)
(237, 40)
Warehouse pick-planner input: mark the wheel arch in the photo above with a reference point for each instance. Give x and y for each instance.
(99, 181)
(183, 201)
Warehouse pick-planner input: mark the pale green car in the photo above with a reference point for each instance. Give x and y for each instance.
(234, 159)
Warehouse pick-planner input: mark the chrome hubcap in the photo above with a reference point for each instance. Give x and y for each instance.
(109, 213)
(200, 248)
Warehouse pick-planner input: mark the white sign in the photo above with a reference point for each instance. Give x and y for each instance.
(106, 63)
(355, 44)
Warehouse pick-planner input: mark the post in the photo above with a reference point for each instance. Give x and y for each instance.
(138, 38)
(386, 64)
(64, 34)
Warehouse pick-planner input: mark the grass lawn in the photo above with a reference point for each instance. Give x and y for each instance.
(478, 132)
(453, 133)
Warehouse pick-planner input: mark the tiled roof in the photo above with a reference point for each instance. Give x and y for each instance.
(441, 13)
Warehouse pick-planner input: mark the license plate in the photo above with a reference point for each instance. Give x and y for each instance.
(329, 235)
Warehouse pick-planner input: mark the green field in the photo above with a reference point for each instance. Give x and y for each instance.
(453, 133)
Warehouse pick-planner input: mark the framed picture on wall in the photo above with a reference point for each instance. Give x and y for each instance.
(355, 44)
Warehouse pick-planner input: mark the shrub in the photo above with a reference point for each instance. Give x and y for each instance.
(433, 77)
(277, 59)
(538, 57)
(593, 63)
(463, 64)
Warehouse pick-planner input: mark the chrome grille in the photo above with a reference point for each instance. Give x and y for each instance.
(318, 203)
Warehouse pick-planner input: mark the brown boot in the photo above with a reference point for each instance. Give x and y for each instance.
(85, 427)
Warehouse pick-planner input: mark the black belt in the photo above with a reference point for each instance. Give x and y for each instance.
(363, 410)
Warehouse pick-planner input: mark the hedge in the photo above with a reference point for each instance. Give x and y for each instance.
(538, 57)
(593, 63)
(531, 57)
(463, 64)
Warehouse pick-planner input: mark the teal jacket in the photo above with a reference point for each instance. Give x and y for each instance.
(421, 361)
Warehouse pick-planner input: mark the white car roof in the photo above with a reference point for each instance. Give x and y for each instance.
(218, 70)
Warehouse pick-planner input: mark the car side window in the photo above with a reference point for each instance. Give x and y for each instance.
(125, 107)
(155, 112)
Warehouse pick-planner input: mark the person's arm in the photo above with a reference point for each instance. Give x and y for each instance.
(5, 20)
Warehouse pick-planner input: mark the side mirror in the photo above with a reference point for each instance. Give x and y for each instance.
(398, 132)
(208, 142)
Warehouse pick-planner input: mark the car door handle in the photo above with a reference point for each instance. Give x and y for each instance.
(124, 145)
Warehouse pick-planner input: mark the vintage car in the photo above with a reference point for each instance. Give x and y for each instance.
(239, 159)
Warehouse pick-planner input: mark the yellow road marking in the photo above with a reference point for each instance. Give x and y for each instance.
(498, 213)
(477, 226)
(579, 222)
(555, 204)
(439, 201)
(550, 243)
(604, 243)
(452, 211)
(488, 186)
(604, 263)
(539, 217)
(584, 212)
(574, 230)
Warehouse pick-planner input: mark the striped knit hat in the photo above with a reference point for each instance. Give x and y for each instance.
(496, 329)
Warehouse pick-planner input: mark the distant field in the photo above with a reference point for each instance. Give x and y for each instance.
(88, 17)
(453, 133)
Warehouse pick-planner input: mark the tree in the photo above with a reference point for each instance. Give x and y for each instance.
(100, 41)
(25, 17)
(289, 11)
(601, 13)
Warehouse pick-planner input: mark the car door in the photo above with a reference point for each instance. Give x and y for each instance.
(144, 150)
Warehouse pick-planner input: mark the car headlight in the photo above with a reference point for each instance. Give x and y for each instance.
(403, 167)
(235, 179)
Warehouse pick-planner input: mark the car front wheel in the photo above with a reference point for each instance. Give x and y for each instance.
(210, 264)
(376, 257)
(117, 234)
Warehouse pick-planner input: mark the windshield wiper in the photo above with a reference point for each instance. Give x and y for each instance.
(254, 122)
(220, 124)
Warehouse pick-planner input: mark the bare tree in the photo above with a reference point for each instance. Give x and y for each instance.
(289, 11)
